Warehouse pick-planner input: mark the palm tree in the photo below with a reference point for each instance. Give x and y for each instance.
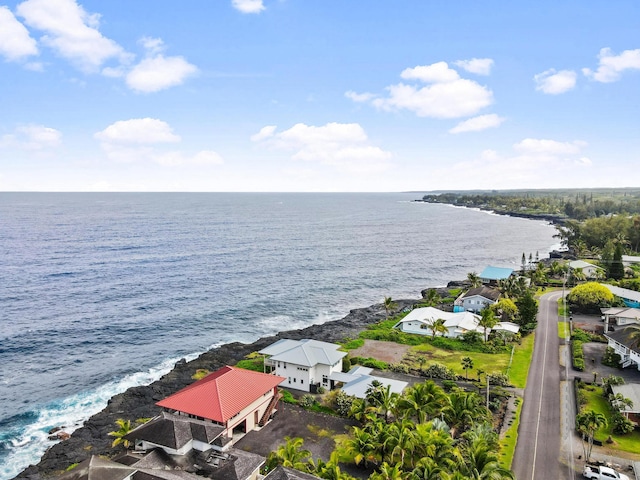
(400, 441)
(388, 472)
(121, 433)
(362, 447)
(464, 409)
(389, 305)
(432, 298)
(290, 455)
(467, 364)
(474, 279)
(487, 321)
(482, 463)
(588, 423)
(422, 402)
(438, 326)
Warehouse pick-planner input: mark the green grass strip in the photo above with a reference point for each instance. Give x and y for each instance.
(509, 440)
(521, 361)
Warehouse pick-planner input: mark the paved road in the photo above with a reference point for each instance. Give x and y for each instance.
(537, 455)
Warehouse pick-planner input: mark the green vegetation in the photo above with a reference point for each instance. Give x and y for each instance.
(424, 433)
(521, 360)
(254, 361)
(563, 329)
(577, 355)
(510, 438)
(124, 427)
(71, 467)
(595, 401)
(589, 297)
(352, 344)
(200, 374)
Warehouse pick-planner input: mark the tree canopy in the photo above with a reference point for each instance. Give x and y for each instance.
(589, 296)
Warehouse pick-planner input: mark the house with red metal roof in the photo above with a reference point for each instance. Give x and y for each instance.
(208, 413)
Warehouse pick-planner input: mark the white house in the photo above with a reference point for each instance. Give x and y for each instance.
(632, 392)
(622, 344)
(358, 380)
(479, 298)
(589, 269)
(621, 316)
(457, 324)
(305, 364)
(420, 320)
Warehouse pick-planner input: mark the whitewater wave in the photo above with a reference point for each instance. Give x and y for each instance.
(25, 437)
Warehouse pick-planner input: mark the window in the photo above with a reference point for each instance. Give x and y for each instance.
(301, 381)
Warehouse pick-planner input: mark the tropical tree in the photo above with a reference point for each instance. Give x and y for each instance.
(588, 423)
(389, 305)
(589, 296)
(467, 364)
(464, 409)
(487, 321)
(527, 308)
(438, 327)
(388, 472)
(474, 279)
(291, 455)
(124, 427)
(362, 447)
(433, 297)
(482, 463)
(382, 398)
(422, 402)
(400, 441)
(506, 309)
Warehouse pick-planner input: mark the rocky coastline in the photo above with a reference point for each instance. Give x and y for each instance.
(139, 402)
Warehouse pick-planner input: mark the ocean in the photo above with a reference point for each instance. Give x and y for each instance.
(103, 291)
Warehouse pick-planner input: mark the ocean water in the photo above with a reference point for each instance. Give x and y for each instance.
(100, 292)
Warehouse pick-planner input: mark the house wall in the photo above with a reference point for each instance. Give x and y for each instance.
(248, 413)
(297, 376)
(415, 327)
(475, 303)
(625, 321)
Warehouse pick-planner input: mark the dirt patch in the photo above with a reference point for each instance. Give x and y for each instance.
(386, 351)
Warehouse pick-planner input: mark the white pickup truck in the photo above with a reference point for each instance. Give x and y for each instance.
(602, 473)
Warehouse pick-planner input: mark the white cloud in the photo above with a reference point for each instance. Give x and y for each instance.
(442, 100)
(554, 83)
(138, 130)
(583, 161)
(611, 66)
(152, 45)
(15, 42)
(479, 66)
(477, 124)
(446, 96)
(248, 6)
(159, 73)
(344, 146)
(264, 133)
(359, 97)
(435, 73)
(549, 147)
(139, 140)
(71, 32)
(32, 137)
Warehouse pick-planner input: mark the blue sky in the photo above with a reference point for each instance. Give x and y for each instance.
(299, 95)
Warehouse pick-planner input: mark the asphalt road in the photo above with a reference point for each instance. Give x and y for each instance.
(537, 455)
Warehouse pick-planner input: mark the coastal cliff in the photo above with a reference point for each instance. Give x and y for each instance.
(139, 402)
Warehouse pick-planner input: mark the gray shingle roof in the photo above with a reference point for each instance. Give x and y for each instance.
(307, 352)
(486, 292)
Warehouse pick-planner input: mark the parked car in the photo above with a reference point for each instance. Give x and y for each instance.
(602, 473)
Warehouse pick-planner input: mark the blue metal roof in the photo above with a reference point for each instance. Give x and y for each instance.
(496, 273)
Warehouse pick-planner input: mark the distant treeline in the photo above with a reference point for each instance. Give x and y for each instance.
(567, 204)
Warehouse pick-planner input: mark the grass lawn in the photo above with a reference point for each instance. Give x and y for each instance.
(489, 362)
(562, 329)
(521, 361)
(596, 402)
(508, 442)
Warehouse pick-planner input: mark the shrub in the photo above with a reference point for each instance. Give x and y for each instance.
(611, 358)
(399, 368)
(340, 402)
(369, 362)
(352, 344)
(498, 379)
(321, 390)
(589, 297)
(307, 401)
(346, 364)
(621, 424)
(577, 355)
(437, 370)
(448, 385)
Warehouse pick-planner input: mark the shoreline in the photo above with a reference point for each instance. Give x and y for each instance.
(547, 217)
(139, 402)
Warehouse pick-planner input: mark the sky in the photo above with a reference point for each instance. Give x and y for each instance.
(318, 96)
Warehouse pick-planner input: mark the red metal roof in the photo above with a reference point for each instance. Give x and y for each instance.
(221, 394)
